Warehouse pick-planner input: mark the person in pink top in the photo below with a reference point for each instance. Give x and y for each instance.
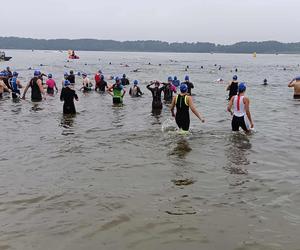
(51, 85)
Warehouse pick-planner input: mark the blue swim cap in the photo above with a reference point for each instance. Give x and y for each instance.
(242, 87)
(117, 79)
(136, 82)
(49, 75)
(78, 73)
(15, 73)
(235, 77)
(67, 83)
(187, 78)
(37, 73)
(175, 78)
(170, 79)
(297, 78)
(183, 88)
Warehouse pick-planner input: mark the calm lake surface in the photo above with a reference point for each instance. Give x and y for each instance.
(110, 178)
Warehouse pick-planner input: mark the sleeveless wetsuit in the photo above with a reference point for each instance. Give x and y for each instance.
(36, 95)
(182, 112)
(14, 87)
(239, 113)
(233, 89)
(117, 94)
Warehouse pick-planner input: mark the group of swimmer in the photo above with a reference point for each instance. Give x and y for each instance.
(238, 106)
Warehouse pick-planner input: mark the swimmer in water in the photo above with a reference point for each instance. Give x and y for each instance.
(169, 89)
(189, 84)
(86, 83)
(156, 95)
(15, 85)
(97, 79)
(117, 91)
(66, 75)
(51, 84)
(176, 82)
(36, 86)
(124, 80)
(241, 108)
(71, 77)
(3, 87)
(295, 83)
(233, 87)
(102, 85)
(265, 82)
(183, 102)
(68, 96)
(135, 91)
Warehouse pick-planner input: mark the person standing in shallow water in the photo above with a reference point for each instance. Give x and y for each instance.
(68, 95)
(295, 83)
(233, 87)
(241, 108)
(117, 91)
(36, 86)
(156, 95)
(183, 102)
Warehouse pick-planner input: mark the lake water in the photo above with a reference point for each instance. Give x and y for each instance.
(110, 178)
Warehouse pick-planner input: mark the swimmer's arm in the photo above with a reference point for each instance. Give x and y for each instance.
(124, 92)
(5, 87)
(230, 104)
(19, 84)
(228, 86)
(39, 83)
(62, 95)
(25, 90)
(247, 108)
(139, 91)
(76, 97)
(191, 85)
(173, 106)
(291, 84)
(193, 108)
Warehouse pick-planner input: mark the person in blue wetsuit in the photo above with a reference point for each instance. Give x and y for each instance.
(176, 82)
(183, 102)
(15, 85)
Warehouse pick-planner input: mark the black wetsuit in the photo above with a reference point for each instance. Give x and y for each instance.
(156, 94)
(6, 81)
(190, 87)
(68, 95)
(168, 93)
(182, 113)
(101, 86)
(71, 78)
(36, 95)
(124, 81)
(233, 89)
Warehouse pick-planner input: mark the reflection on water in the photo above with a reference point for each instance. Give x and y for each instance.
(118, 115)
(237, 152)
(181, 149)
(67, 122)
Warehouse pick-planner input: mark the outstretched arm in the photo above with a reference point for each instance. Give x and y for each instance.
(25, 90)
(194, 110)
(292, 83)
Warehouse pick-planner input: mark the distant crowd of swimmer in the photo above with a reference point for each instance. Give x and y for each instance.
(238, 106)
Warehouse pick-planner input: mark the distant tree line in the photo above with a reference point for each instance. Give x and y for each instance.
(147, 46)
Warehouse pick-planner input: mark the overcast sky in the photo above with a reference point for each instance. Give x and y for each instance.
(219, 21)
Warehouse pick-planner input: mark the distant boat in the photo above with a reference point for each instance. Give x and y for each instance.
(3, 57)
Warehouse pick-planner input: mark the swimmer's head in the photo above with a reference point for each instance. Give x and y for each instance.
(102, 77)
(37, 73)
(71, 72)
(99, 71)
(170, 79)
(117, 79)
(136, 82)
(15, 74)
(66, 83)
(49, 76)
(124, 75)
(84, 75)
(235, 77)
(187, 78)
(175, 78)
(183, 88)
(157, 84)
(242, 87)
